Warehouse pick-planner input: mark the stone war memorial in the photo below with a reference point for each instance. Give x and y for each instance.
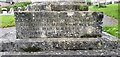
(58, 28)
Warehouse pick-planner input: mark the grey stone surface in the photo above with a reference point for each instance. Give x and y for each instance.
(87, 53)
(57, 20)
(48, 44)
(57, 1)
(61, 24)
(49, 30)
(20, 46)
(107, 42)
(56, 6)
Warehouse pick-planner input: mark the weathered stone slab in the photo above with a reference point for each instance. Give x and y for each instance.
(58, 29)
(54, 24)
(54, 44)
(57, 1)
(58, 56)
(78, 53)
(57, 6)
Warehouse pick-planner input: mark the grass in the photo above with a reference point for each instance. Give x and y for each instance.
(7, 21)
(112, 11)
(113, 30)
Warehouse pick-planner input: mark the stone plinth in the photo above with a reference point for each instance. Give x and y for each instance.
(58, 19)
(58, 28)
(82, 53)
(55, 44)
(57, 24)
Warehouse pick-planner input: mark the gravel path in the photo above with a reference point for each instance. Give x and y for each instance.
(107, 21)
(4, 4)
(7, 31)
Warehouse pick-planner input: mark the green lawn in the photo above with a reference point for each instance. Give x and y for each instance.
(7, 20)
(112, 11)
(113, 30)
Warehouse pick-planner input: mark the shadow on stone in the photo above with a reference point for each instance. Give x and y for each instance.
(89, 36)
(31, 49)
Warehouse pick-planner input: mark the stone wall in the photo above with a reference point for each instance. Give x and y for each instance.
(58, 24)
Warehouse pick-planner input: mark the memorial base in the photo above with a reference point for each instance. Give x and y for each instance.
(105, 46)
(79, 53)
(55, 44)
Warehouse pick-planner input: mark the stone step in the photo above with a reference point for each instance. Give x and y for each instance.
(60, 55)
(50, 44)
(79, 53)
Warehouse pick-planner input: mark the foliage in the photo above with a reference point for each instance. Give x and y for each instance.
(19, 4)
(113, 30)
(112, 11)
(7, 20)
(83, 8)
